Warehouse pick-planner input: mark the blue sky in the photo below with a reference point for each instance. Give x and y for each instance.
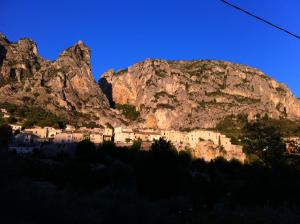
(123, 32)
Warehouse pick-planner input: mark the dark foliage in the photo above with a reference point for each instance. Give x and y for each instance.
(109, 184)
(34, 116)
(265, 141)
(5, 135)
(129, 111)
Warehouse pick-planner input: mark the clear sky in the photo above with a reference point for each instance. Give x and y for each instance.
(123, 32)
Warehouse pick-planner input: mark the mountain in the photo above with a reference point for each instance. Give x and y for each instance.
(197, 93)
(65, 86)
(151, 94)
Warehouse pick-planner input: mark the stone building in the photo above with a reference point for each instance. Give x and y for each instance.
(96, 138)
(108, 134)
(146, 135)
(66, 137)
(205, 144)
(4, 113)
(51, 132)
(43, 133)
(70, 128)
(26, 139)
(16, 127)
(78, 136)
(123, 135)
(39, 131)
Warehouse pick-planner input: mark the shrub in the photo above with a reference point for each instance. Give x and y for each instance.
(85, 151)
(265, 141)
(34, 116)
(122, 71)
(165, 106)
(136, 144)
(128, 111)
(36, 94)
(161, 73)
(5, 135)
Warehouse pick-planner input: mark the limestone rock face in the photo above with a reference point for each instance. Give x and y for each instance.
(197, 94)
(65, 86)
(209, 151)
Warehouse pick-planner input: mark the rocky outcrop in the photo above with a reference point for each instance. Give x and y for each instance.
(65, 86)
(208, 151)
(168, 94)
(197, 94)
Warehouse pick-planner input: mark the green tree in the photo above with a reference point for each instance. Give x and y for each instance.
(161, 172)
(129, 111)
(5, 135)
(12, 120)
(162, 148)
(185, 157)
(85, 151)
(136, 144)
(265, 141)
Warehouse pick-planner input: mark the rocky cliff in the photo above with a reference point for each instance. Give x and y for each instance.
(65, 86)
(168, 94)
(197, 94)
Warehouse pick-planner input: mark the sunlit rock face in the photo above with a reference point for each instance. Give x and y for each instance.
(198, 94)
(65, 86)
(168, 94)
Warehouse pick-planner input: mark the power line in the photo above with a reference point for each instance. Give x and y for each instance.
(261, 19)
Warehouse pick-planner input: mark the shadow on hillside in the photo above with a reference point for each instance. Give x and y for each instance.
(2, 54)
(106, 87)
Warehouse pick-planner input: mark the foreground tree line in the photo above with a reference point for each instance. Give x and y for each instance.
(110, 184)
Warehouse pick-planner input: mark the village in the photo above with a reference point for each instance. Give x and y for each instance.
(203, 143)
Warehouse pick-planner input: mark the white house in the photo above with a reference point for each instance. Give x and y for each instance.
(146, 135)
(26, 138)
(51, 132)
(39, 131)
(124, 135)
(107, 134)
(96, 138)
(15, 127)
(4, 111)
(70, 128)
(63, 138)
(44, 133)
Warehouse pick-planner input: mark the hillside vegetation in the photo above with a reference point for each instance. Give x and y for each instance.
(30, 116)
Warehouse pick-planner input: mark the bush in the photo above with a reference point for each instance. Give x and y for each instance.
(136, 144)
(12, 120)
(265, 141)
(5, 135)
(33, 116)
(36, 94)
(85, 151)
(129, 111)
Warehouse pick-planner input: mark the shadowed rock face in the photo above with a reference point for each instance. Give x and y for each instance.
(64, 86)
(106, 87)
(198, 94)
